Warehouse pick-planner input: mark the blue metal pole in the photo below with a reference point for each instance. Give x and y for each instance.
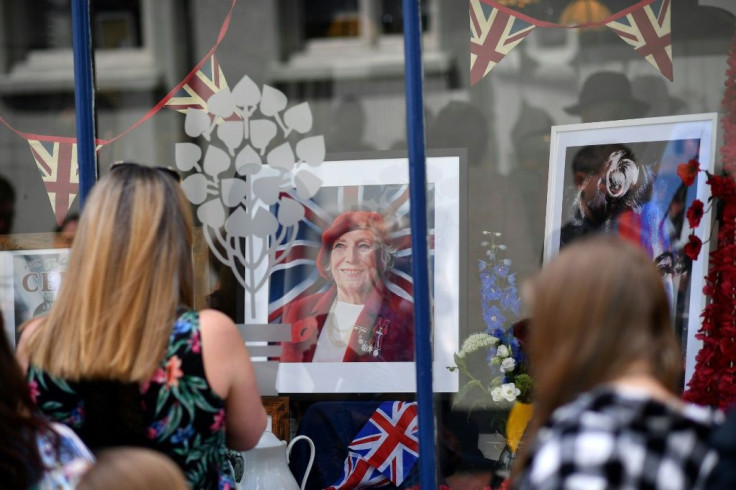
(420, 260)
(84, 97)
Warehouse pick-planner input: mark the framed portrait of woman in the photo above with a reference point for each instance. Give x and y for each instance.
(623, 177)
(344, 295)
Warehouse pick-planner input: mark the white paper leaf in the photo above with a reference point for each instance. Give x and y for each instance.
(187, 156)
(290, 212)
(215, 161)
(231, 133)
(248, 161)
(233, 191)
(262, 131)
(299, 118)
(282, 157)
(307, 184)
(311, 150)
(264, 223)
(266, 189)
(196, 122)
(212, 213)
(246, 93)
(221, 103)
(238, 223)
(273, 101)
(195, 188)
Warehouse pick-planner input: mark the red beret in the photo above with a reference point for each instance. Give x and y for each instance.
(348, 221)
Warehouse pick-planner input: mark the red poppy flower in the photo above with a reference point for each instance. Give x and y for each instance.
(688, 171)
(692, 247)
(721, 186)
(695, 213)
(729, 211)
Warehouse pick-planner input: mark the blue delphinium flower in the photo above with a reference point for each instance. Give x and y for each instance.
(492, 316)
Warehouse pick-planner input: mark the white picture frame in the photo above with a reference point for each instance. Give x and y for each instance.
(663, 143)
(444, 179)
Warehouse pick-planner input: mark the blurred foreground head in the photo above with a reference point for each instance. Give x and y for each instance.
(133, 468)
(599, 308)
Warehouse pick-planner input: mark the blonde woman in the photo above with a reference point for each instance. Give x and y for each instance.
(607, 368)
(122, 357)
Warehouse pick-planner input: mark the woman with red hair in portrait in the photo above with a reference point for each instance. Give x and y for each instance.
(358, 318)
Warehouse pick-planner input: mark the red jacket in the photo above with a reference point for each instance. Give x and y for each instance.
(384, 331)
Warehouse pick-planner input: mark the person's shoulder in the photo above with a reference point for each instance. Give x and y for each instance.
(215, 320)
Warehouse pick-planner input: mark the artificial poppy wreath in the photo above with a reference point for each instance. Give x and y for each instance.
(712, 382)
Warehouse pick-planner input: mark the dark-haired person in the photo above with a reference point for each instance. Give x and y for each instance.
(358, 318)
(122, 357)
(607, 366)
(34, 452)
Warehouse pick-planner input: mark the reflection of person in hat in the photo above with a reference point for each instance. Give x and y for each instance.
(357, 318)
(531, 138)
(654, 90)
(607, 96)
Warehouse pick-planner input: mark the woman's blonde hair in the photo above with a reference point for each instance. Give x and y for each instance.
(129, 270)
(597, 309)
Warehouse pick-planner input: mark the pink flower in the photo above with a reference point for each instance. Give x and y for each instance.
(158, 377)
(219, 420)
(173, 371)
(195, 342)
(33, 389)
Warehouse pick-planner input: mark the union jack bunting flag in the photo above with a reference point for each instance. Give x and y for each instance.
(387, 444)
(493, 34)
(199, 88)
(648, 30)
(57, 162)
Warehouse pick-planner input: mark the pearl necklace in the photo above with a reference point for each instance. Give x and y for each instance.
(335, 335)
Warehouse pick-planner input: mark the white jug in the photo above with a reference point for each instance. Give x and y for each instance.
(267, 465)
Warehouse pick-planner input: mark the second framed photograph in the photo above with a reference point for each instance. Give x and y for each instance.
(621, 177)
(346, 291)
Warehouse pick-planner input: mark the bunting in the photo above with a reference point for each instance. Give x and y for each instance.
(57, 162)
(496, 29)
(648, 30)
(199, 87)
(56, 156)
(493, 34)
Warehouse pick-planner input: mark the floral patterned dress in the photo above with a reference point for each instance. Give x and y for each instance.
(185, 418)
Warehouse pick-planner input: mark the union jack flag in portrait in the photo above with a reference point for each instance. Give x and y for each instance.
(493, 34)
(648, 30)
(57, 162)
(387, 445)
(200, 86)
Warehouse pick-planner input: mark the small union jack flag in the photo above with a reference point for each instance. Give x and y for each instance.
(387, 444)
(57, 162)
(358, 473)
(648, 30)
(200, 86)
(493, 34)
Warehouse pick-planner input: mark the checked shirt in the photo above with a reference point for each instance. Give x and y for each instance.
(612, 438)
